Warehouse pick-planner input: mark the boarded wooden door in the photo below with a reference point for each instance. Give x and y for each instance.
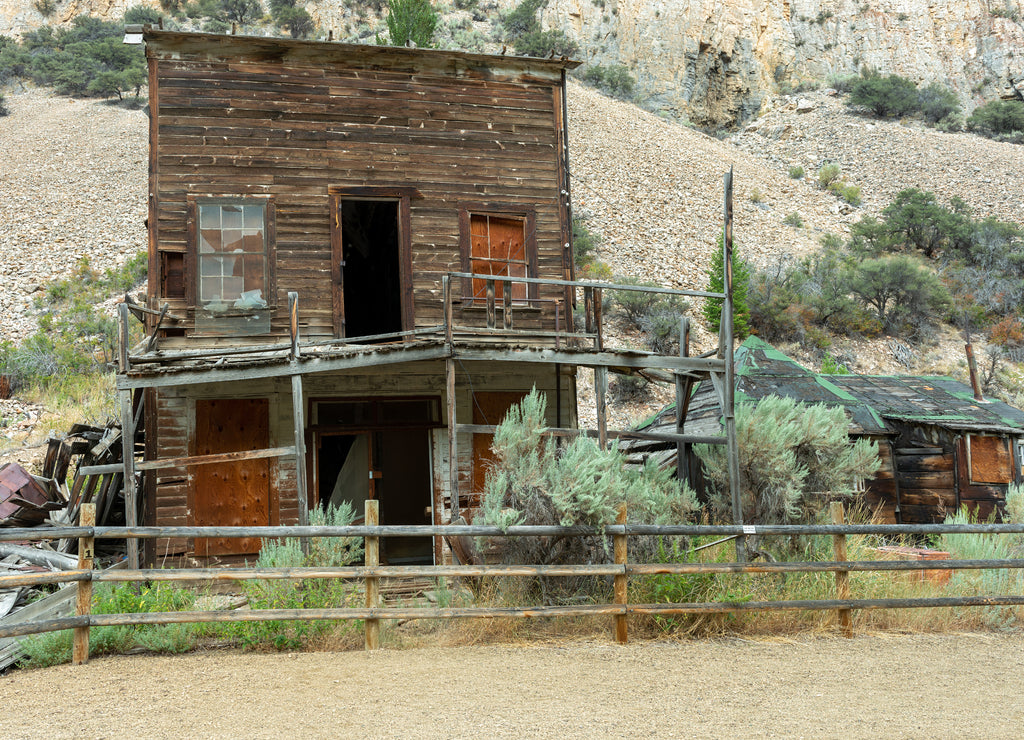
(236, 493)
(489, 407)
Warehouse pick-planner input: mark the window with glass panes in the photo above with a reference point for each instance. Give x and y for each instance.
(233, 254)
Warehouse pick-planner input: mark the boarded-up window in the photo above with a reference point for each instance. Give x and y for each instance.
(498, 247)
(490, 408)
(990, 459)
(232, 241)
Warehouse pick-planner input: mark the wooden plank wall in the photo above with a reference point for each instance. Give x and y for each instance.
(289, 130)
(176, 416)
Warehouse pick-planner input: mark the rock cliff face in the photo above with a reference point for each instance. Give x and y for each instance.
(720, 62)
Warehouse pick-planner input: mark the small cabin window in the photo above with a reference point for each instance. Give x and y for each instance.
(502, 243)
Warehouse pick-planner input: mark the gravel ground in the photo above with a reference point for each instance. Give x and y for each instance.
(892, 686)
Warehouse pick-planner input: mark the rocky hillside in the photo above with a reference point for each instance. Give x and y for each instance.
(713, 62)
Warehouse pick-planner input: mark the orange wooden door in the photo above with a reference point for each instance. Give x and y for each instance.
(235, 494)
(489, 407)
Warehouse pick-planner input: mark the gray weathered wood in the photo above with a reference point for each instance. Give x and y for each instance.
(45, 558)
(131, 504)
(83, 594)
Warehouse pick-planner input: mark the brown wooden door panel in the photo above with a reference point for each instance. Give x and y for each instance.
(231, 494)
(489, 407)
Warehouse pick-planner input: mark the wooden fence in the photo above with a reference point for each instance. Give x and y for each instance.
(620, 570)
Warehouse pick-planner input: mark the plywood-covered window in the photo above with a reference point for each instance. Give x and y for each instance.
(500, 243)
(990, 459)
(233, 263)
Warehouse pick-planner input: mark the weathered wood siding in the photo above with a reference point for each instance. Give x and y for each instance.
(236, 116)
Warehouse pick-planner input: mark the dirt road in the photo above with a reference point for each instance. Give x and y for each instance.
(966, 685)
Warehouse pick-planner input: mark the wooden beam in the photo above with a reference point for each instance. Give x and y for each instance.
(299, 429)
(611, 433)
(131, 503)
(83, 595)
(600, 394)
(453, 450)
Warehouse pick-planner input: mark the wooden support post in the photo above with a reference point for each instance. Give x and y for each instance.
(299, 428)
(491, 320)
(506, 306)
(293, 313)
(151, 344)
(83, 597)
(588, 309)
(621, 579)
(683, 390)
(131, 504)
(446, 290)
(842, 576)
(453, 452)
(597, 319)
(371, 551)
(123, 364)
(725, 350)
(601, 395)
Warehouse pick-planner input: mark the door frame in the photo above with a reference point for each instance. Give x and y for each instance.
(403, 197)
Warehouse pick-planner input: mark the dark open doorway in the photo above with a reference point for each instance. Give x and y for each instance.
(383, 454)
(371, 267)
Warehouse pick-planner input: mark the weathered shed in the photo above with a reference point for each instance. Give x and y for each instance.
(940, 449)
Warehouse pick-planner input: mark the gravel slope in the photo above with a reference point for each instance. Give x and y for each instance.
(73, 184)
(892, 686)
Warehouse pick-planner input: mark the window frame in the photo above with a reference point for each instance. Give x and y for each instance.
(1007, 446)
(193, 278)
(526, 214)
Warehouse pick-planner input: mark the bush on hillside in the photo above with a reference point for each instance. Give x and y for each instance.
(937, 102)
(614, 80)
(890, 96)
(916, 220)
(998, 118)
(907, 298)
(545, 44)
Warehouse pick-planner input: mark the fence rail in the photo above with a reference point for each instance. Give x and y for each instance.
(369, 574)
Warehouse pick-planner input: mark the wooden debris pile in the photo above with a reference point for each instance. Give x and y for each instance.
(27, 500)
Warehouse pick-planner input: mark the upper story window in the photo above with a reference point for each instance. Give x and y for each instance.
(501, 243)
(233, 263)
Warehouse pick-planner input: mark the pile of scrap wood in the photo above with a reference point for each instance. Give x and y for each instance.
(46, 500)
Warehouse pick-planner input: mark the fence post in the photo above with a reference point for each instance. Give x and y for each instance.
(842, 576)
(83, 600)
(621, 579)
(371, 553)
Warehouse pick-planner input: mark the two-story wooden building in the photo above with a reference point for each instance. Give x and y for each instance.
(332, 232)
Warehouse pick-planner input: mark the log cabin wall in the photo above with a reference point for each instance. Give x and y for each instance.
(291, 125)
(170, 498)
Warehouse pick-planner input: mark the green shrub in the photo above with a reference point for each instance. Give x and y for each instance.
(614, 80)
(522, 19)
(54, 648)
(796, 172)
(756, 196)
(466, 4)
(936, 102)
(793, 219)
(831, 366)
(581, 484)
(545, 44)
(887, 97)
(411, 20)
(790, 453)
(4, 110)
(288, 16)
(997, 117)
(309, 593)
(141, 15)
(829, 173)
(906, 297)
(915, 219)
(849, 193)
(45, 8)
